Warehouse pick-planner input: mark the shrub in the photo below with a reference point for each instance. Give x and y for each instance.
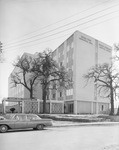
(12, 110)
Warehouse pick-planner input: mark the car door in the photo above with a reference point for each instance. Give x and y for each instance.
(20, 121)
(32, 121)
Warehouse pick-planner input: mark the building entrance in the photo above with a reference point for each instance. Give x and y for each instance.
(71, 108)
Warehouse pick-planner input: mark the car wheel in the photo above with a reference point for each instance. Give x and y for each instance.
(40, 127)
(3, 128)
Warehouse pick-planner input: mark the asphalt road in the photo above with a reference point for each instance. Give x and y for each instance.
(63, 138)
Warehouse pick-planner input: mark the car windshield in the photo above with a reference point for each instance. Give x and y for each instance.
(8, 116)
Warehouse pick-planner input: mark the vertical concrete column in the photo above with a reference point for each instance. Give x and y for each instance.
(38, 106)
(92, 107)
(19, 107)
(63, 107)
(50, 106)
(50, 93)
(96, 107)
(4, 106)
(75, 107)
(95, 97)
(23, 107)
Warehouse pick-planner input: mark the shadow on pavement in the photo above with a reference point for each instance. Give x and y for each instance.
(23, 130)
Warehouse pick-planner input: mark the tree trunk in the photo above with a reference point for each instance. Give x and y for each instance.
(112, 102)
(31, 93)
(44, 100)
(31, 97)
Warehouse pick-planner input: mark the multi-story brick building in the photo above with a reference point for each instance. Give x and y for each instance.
(77, 54)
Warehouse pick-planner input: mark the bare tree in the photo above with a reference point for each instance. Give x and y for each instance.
(23, 75)
(106, 79)
(41, 69)
(50, 74)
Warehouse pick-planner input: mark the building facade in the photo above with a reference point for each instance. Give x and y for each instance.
(78, 54)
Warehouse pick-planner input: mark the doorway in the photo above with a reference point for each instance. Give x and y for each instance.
(71, 108)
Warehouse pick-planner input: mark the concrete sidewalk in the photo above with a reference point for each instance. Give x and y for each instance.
(69, 123)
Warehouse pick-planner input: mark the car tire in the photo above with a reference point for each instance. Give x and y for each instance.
(3, 128)
(40, 127)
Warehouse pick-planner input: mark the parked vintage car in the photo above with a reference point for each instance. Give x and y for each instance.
(23, 121)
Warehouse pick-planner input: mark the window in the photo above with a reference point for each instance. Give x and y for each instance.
(102, 108)
(69, 92)
(54, 96)
(61, 64)
(20, 117)
(54, 86)
(60, 94)
(33, 117)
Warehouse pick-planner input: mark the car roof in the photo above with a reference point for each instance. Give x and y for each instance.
(12, 114)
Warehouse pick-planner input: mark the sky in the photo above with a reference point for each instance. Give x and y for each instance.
(34, 25)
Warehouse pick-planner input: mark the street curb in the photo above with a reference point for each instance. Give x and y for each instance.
(88, 124)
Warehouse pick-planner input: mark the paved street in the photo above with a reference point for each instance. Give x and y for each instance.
(63, 138)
